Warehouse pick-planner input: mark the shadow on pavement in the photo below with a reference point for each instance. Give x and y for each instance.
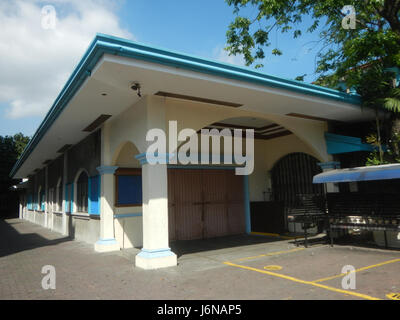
(182, 247)
(11, 241)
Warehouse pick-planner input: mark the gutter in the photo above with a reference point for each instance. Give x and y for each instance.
(104, 44)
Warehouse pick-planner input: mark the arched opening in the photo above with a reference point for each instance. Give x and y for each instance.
(82, 192)
(128, 176)
(128, 196)
(212, 200)
(292, 179)
(124, 156)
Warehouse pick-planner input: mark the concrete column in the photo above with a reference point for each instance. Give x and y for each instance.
(329, 166)
(64, 185)
(155, 252)
(107, 241)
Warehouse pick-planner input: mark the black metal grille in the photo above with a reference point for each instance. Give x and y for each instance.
(292, 176)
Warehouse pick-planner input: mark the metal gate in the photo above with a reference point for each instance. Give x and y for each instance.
(204, 203)
(292, 176)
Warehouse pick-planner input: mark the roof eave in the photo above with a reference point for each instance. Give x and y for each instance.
(121, 47)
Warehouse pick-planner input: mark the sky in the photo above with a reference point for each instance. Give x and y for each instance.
(39, 53)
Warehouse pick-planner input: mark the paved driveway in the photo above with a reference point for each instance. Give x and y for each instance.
(241, 267)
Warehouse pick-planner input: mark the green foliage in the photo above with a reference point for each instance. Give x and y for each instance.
(300, 78)
(377, 33)
(357, 58)
(20, 142)
(11, 148)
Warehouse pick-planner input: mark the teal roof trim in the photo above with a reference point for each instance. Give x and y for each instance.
(105, 44)
(337, 144)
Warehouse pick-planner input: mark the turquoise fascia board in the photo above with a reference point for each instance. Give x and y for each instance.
(105, 44)
(337, 144)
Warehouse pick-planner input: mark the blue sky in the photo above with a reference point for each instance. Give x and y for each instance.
(37, 62)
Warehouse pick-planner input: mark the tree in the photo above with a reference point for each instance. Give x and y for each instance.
(20, 142)
(11, 148)
(359, 56)
(376, 34)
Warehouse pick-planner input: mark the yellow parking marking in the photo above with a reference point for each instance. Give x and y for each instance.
(273, 268)
(270, 254)
(357, 270)
(393, 296)
(303, 281)
(273, 235)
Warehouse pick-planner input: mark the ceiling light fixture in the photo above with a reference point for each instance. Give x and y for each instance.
(136, 87)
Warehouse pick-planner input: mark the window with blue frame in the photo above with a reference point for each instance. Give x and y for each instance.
(30, 202)
(128, 187)
(82, 192)
(40, 205)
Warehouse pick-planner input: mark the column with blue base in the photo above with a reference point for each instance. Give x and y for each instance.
(107, 241)
(156, 252)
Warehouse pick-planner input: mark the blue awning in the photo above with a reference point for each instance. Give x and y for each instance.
(383, 172)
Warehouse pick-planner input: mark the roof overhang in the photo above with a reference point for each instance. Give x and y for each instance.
(111, 65)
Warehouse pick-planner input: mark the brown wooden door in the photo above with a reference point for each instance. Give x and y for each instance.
(205, 203)
(185, 200)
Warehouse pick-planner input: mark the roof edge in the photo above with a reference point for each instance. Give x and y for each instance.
(103, 44)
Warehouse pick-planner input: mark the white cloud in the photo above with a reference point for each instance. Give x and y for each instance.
(36, 62)
(222, 55)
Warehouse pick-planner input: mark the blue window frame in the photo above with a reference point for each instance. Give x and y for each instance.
(94, 195)
(30, 202)
(128, 187)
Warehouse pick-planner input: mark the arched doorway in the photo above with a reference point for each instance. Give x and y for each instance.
(292, 178)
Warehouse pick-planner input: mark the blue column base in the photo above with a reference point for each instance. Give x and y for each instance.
(106, 245)
(156, 258)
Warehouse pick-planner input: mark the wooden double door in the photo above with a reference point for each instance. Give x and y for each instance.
(205, 203)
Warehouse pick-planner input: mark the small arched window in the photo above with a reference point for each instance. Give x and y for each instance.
(82, 192)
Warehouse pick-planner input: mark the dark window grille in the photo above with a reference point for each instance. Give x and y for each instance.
(82, 194)
(292, 178)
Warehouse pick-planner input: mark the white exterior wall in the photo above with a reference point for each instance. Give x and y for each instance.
(133, 124)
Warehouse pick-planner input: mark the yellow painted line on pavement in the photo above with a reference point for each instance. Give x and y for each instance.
(393, 296)
(357, 270)
(273, 235)
(273, 268)
(269, 254)
(359, 295)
